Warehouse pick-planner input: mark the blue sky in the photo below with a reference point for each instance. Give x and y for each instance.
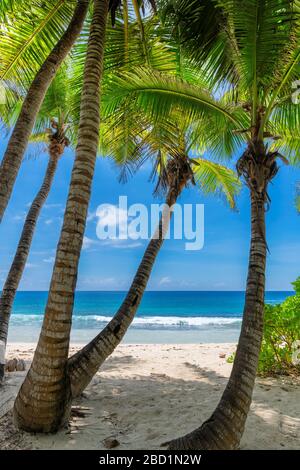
(220, 265)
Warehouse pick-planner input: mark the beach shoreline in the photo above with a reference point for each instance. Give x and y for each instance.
(29, 335)
(164, 317)
(146, 394)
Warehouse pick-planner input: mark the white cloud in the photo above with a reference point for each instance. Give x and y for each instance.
(164, 280)
(91, 216)
(48, 221)
(42, 252)
(30, 265)
(49, 260)
(52, 206)
(127, 245)
(96, 283)
(88, 243)
(220, 284)
(114, 223)
(112, 217)
(121, 244)
(20, 217)
(113, 228)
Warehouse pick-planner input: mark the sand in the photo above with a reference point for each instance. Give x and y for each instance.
(147, 394)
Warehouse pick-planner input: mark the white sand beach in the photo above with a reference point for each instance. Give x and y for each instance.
(147, 394)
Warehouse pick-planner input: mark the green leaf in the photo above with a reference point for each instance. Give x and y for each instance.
(29, 36)
(215, 178)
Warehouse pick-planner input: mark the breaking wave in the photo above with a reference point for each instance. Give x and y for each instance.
(146, 322)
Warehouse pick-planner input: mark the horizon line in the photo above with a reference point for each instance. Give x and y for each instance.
(164, 290)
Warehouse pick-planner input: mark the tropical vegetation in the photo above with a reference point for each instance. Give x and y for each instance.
(174, 175)
(280, 345)
(194, 76)
(253, 53)
(21, 41)
(50, 129)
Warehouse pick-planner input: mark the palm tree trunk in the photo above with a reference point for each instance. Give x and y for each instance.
(17, 267)
(224, 429)
(43, 403)
(19, 139)
(85, 363)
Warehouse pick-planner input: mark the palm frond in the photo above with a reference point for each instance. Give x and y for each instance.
(30, 36)
(213, 178)
(159, 94)
(263, 29)
(284, 122)
(201, 28)
(8, 9)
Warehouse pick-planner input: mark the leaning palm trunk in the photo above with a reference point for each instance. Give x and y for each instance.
(43, 402)
(225, 427)
(19, 139)
(84, 364)
(56, 148)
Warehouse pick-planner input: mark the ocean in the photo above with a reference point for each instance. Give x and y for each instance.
(163, 317)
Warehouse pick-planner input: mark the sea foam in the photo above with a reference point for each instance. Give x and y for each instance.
(147, 322)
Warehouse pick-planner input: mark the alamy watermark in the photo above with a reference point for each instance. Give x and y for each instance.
(139, 222)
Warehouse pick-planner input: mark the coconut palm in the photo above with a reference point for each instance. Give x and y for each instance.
(51, 127)
(42, 403)
(168, 147)
(47, 380)
(50, 366)
(62, 100)
(33, 45)
(263, 37)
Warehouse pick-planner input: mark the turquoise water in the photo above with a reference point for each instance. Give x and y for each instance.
(162, 316)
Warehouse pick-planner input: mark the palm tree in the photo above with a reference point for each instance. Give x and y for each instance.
(58, 386)
(20, 48)
(43, 401)
(263, 37)
(58, 141)
(47, 379)
(55, 105)
(167, 145)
